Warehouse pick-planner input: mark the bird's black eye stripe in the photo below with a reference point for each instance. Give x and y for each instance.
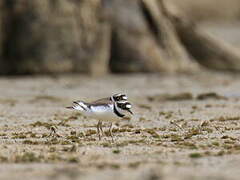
(124, 106)
(121, 105)
(119, 97)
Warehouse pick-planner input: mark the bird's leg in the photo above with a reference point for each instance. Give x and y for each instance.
(101, 128)
(53, 132)
(98, 130)
(110, 132)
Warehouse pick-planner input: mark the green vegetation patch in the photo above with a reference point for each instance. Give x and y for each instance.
(42, 124)
(195, 155)
(28, 157)
(210, 95)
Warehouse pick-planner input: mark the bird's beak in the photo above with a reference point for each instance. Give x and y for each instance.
(130, 111)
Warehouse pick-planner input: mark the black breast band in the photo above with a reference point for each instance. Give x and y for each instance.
(116, 111)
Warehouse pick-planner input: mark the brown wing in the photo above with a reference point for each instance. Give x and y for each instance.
(102, 101)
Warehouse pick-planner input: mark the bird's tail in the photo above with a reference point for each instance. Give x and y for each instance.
(70, 107)
(76, 106)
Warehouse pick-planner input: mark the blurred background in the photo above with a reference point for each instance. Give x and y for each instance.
(186, 118)
(103, 36)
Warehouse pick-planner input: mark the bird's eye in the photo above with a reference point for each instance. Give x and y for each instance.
(116, 98)
(119, 105)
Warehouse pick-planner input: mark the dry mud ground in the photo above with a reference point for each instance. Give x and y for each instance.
(184, 127)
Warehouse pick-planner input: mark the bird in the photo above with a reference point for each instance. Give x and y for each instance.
(109, 109)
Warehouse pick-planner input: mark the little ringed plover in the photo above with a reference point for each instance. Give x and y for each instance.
(109, 109)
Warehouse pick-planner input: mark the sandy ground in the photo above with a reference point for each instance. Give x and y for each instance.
(184, 127)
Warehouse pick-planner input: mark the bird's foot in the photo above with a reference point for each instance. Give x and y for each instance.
(53, 132)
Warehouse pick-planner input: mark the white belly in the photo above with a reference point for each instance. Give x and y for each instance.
(103, 114)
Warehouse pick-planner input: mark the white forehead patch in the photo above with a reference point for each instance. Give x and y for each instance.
(128, 106)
